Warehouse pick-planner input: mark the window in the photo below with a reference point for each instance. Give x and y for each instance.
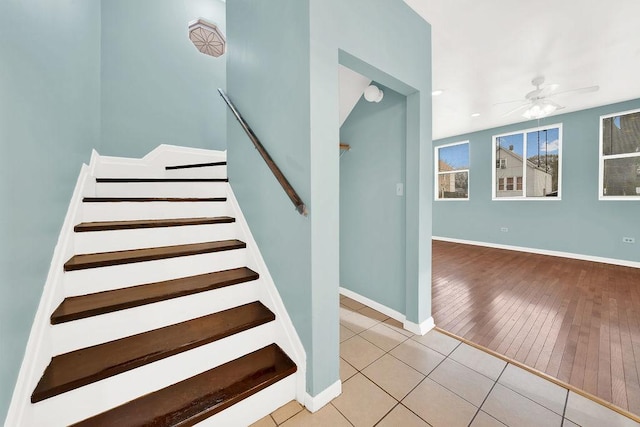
(528, 164)
(620, 156)
(452, 171)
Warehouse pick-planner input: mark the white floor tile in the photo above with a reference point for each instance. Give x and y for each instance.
(586, 413)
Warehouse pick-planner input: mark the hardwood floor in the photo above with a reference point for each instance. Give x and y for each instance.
(577, 321)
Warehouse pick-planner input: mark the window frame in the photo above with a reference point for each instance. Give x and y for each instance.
(437, 172)
(524, 132)
(602, 157)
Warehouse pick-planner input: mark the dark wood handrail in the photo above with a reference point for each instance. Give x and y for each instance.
(297, 201)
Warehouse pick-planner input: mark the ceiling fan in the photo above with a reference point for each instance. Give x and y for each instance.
(538, 102)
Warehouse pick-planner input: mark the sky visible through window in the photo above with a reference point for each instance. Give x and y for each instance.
(512, 142)
(456, 156)
(543, 142)
(548, 143)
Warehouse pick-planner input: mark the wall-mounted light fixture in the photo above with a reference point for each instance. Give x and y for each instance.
(373, 93)
(207, 37)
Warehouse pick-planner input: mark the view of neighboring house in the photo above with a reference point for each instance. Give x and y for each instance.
(446, 182)
(509, 176)
(621, 175)
(453, 171)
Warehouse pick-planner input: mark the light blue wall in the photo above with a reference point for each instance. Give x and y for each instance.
(372, 216)
(283, 76)
(268, 80)
(49, 122)
(389, 43)
(156, 87)
(579, 223)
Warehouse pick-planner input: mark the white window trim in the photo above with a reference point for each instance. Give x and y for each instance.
(602, 158)
(494, 140)
(436, 158)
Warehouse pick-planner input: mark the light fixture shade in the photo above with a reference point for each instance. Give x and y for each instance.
(207, 38)
(540, 108)
(373, 94)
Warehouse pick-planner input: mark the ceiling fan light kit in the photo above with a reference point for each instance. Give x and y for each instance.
(539, 109)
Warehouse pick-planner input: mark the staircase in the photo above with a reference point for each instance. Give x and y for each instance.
(159, 309)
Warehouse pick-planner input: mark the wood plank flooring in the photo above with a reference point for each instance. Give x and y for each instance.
(577, 321)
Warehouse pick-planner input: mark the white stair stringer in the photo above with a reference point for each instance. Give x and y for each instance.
(48, 340)
(154, 164)
(39, 348)
(288, 338)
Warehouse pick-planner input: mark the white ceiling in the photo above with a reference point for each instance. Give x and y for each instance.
(352, 85)
(486, 52)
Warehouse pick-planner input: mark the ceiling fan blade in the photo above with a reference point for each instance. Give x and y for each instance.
(552, 102)
(508, 102)
(548, 90)
(521, 107)
(587, 89)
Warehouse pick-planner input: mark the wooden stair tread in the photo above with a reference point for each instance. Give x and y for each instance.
(195, 165)
(81, 367)
(152, 199)
(197, 398)
(80, 307)
(149, 223)
(134, 180)
(104, 259)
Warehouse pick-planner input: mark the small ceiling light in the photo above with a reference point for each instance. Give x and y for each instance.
(207, 38)
(475, 115)
(373, 94)
(437, 92)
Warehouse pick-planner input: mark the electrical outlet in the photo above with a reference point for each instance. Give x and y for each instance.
(399, 189)
(504, 229)
(629, 239)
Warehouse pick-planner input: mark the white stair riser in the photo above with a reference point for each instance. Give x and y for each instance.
(117, 240)
(203, 172)
(92, 280)
(250, 410)
(161, 189)
(94, 330)
(122, 211)
(92, 399)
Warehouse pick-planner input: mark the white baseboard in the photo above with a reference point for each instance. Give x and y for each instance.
(373, 304)
(418, 329)
(614, 261)
(314, 403)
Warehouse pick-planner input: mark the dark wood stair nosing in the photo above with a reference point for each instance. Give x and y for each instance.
(83, 306)
(195, 165)
(151, 180)
(149, 223)
(151, 199)
(201, 396)
(108, 259)
(85, 366)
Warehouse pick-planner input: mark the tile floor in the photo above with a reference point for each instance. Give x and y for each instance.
(391, 377)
